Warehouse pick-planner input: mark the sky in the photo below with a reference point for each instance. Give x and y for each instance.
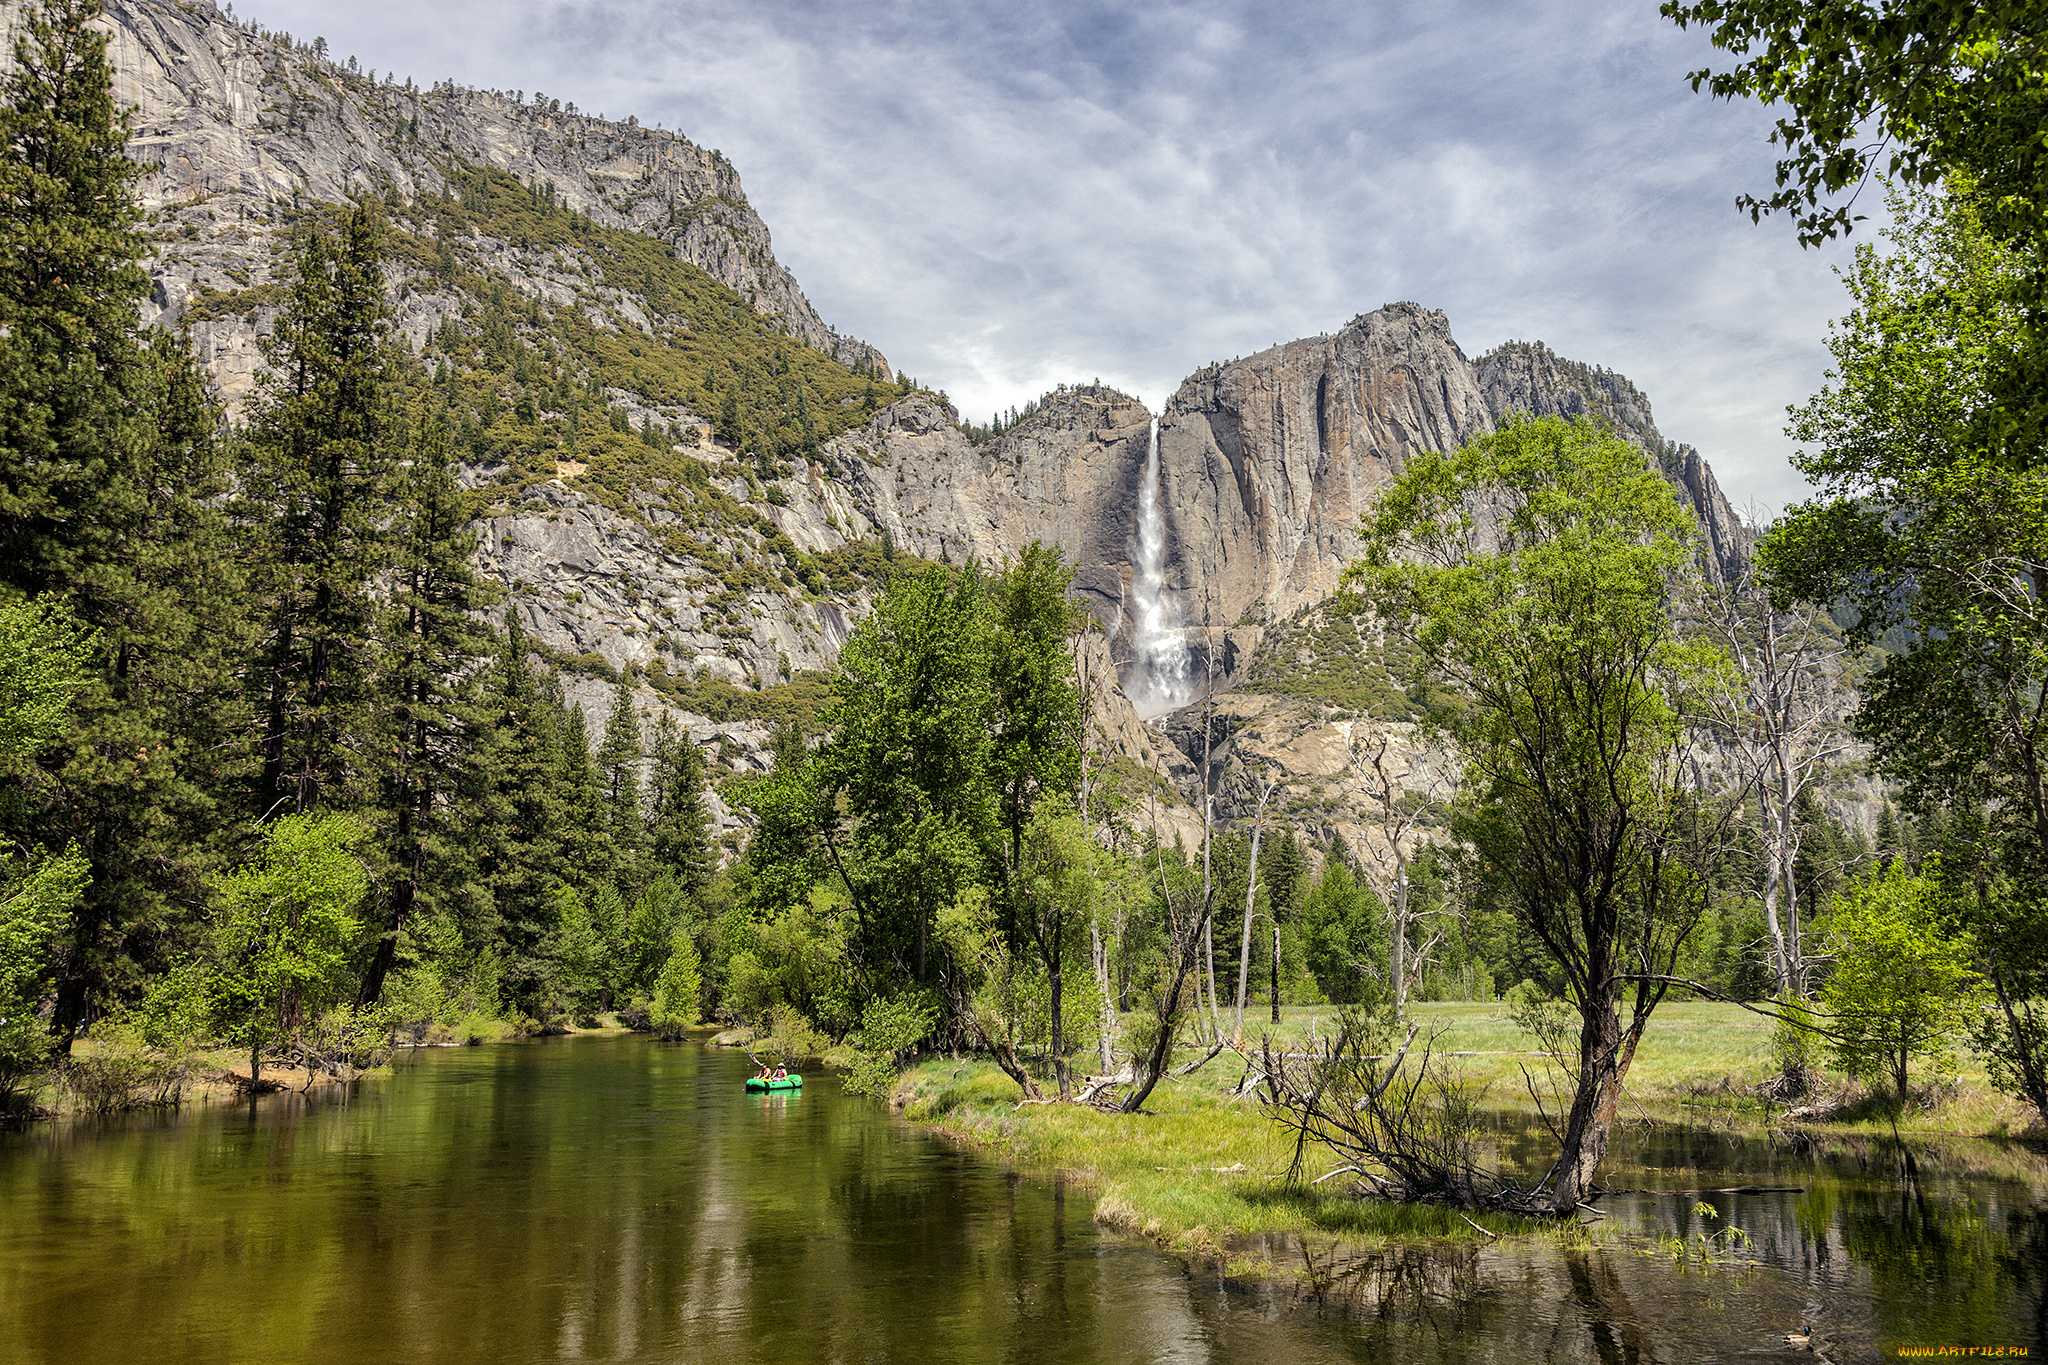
(1005, 197)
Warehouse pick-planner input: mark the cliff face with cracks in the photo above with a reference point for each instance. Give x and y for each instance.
(1267, 463)
(238, 127)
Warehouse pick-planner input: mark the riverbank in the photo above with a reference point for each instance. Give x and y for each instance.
(115, 1074)
(1700, 1063)
(1202, 1172)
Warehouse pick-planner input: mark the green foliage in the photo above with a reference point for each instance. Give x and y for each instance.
(1561, 639)
(799, 702)
(1333, 658)
(1343, 934)
(45, 659)
(430, 784)
(954, 728)
(1929, 531)
(618, 772)
(522, 374)
(314, 492)
(1932, 88)
(891, 1027)
(908, 764)
(110, 494)
(36, 899)
(286, 925)
(1902, 988)
(574, 952)
(679, 987)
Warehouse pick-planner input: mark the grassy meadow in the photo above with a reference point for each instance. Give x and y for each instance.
(1204, 1173)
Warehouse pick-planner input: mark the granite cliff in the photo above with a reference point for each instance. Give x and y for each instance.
(241, 127)
(727, 578)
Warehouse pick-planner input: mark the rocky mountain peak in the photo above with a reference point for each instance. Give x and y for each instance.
(242, 127)
(1088, 407)
(1527, 376)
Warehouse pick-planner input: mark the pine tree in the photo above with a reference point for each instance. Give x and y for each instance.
(70, 375)
(618, 768)
(432, 634)
(316, 489)
(109, 480)
(587, 858)
(520, 813)
(679, 825)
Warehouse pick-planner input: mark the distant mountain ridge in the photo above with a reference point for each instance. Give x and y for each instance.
(677, 544)
(245, 124)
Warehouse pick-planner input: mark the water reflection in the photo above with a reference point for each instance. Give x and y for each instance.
(621, 1200)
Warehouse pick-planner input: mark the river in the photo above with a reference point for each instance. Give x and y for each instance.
(618, 1199)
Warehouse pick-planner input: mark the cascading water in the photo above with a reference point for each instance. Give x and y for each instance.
(1160, 678)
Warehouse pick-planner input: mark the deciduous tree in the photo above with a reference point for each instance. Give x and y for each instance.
(1902, 988)
(1930, 528)
(1534, 571)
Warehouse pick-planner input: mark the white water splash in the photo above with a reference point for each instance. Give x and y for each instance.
(1161, 677)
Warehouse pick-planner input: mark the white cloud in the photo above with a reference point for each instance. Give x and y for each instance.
(1003, 198)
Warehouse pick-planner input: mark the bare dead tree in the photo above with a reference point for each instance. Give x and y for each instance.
(1407, 958)
(1404, 1129)
(1783, 729)
(1098, 948)
(1187, 916)
(1251, 897)
(1214, 1015)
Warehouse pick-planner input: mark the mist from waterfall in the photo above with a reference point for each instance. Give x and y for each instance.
(1161, 677)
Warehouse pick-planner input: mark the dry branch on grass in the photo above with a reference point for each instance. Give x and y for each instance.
(1404, 1129)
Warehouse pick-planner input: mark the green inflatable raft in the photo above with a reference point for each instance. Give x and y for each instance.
(790, 1082)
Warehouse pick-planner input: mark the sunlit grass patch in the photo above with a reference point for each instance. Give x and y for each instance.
(1202, 1171)
(1199, 1172)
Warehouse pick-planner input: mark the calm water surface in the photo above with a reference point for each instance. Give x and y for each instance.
(616, 1199)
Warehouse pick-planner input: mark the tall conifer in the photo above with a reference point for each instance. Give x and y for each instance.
(679, 825)
(316, 485)
(432, 639)
(518, 817)
(109, 478)
(618, 767)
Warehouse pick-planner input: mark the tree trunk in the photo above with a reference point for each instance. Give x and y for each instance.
(1058, 1031)
(1605, 1052)
(1209, 976)
(1276, 973)
(1251, 898)
(2030, 1066)
(1105, 1042)
(1397, 944)
(1162, 1045)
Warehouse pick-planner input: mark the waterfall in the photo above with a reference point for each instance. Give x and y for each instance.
(1160, 677)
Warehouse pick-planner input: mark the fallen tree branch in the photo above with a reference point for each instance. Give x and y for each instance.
(1803, 1020)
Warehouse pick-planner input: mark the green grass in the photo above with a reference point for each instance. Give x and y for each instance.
(1204, 1174)
(1198, 1172)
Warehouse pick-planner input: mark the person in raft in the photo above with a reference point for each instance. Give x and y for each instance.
(765, 1072)
(781, 1073)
